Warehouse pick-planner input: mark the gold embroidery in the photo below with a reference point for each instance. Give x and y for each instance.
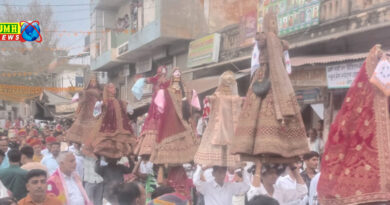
(366, 123)
(367, 167)
(360, 85)
(358, 148)
(348, 99)
(359, 110)
(341, 156)
(358, 192)
(347, 172)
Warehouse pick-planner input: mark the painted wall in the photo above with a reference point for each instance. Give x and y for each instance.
(221, 13)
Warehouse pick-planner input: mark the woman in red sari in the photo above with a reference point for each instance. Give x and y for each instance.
(85, 121)
(176, 142)
(355, 168)
(113, 135)
(154, 119)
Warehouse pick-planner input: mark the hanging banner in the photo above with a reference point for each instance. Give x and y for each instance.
(248, 28)
(294, 15)
(19, 93)
(342, 75)
(287, 61)
(260, 15)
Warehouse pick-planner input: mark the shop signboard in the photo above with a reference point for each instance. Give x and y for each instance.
(342, 75)
(66, 108)
(293, 15)
(204, 50)
(308, 96)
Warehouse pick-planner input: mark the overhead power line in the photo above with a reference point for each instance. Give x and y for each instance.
(57, 5)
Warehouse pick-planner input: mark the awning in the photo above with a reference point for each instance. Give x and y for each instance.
(50, 98)
(51, 105)
(205, 84)
(235, 60)
(325, 59)
(295, 61)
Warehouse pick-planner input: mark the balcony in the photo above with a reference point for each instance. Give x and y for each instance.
(163, 25)
(170, 25)
(108, 58)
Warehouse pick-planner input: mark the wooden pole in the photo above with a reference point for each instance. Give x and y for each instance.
(160, 175)
(257, 177)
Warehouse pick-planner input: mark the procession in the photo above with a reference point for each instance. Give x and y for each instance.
(195, 102)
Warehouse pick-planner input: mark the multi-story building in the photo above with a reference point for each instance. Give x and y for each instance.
(134, 37)
(327, 56)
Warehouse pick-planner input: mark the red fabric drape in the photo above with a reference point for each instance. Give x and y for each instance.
(355, 167)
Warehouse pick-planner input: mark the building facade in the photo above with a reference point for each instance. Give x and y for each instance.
(207, 37)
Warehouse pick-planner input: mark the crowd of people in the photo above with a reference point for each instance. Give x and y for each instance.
(38, 166)
(233, 151)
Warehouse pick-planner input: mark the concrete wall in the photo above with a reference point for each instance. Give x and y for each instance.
(182, 18)
(221, 13)
(68, 78)
(96, 25)
(109, 18)
(332, 9)
(149, 11)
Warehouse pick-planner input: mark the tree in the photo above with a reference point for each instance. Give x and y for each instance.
(29, 57)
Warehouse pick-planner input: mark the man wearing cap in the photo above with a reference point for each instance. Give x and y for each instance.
(49, 140)
(36, 144)
(50, 160)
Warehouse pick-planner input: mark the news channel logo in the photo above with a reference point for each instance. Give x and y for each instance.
(24, 31)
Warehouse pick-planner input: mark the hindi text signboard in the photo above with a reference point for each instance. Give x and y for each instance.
(342, 75)
(204, 50)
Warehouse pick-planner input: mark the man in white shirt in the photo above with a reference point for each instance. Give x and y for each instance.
(49, 141)
(93, 181)
(50, 160)
(4, 147)
(313, 195)
(291, 189)
(76, 149)
(145, 167)
(65, 184)
(269, 175)
(218, 192)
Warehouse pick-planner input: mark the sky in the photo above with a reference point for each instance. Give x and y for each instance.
(71, 15)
